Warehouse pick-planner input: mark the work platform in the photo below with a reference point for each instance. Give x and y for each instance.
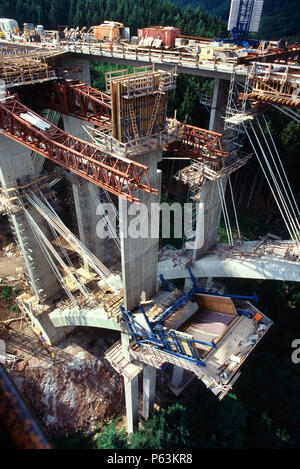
(210, 335)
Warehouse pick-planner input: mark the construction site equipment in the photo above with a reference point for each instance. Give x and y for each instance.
(118, 175)
(244, 17)
(139, 102)
(110, 31)
(8, 27)
(274, 84)
(200, 345)
(15, 71)
(194, 174)
(197, 144)
(166, 35)
(73, 98)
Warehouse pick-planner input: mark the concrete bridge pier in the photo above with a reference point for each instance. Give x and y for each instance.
(177, 376)
(17, 168)
(132, 402)
(149, 382)
(139, 244)
(209, 191)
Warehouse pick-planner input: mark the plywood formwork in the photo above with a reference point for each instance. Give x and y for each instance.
(139, 102)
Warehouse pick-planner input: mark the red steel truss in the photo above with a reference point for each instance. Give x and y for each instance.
(198, 144)
(74, 98)
(118, 175)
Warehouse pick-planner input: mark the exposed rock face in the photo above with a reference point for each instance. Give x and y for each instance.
(69, 395)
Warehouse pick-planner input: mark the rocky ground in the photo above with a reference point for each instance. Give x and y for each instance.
(73, 391)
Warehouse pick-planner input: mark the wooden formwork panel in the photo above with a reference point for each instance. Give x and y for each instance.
(216, 303)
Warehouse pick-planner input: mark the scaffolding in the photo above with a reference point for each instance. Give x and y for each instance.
(25, 69)
(139, 102)
(274, 84)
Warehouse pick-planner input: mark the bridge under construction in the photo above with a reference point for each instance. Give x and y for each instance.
(106, 147)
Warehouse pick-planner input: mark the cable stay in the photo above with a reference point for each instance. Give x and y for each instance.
(294, 236)
(47, 245)
(288, 112)
(54, 232)
(287, 205)
(225, 212)
(283, 170)
(53, 219)
(294, 220)
(234, 208)
(103, 213)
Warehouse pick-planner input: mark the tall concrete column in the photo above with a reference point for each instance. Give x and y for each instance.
(140, 255)
(149, 382)
(209, 192)
(16, 168)
(219, 102)
(88, 217)
(132, 403)
(84, 200)
(177, 376)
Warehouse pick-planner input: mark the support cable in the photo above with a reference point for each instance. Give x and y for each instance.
(52, 218)
(49, 258)
(234, 208)
(284, 202)
(265, 174)
(224, 214)
(293, 116)
(283, 170)
(57, 257)
(56, 235)
(98, 203)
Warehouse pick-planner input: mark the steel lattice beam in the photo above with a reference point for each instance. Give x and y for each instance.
(198, 144)
(73, 98)
(118, 175)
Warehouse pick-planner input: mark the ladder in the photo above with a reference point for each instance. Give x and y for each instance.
(156, 104)
(230, 100)
(133, 120)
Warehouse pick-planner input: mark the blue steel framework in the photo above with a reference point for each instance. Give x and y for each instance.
(169, 340)
(239, 34)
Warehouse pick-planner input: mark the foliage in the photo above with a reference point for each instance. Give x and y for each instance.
(79, 440)
(112, 438)
(279, 18)
(52, 13)
(8, 294)
(164, 430)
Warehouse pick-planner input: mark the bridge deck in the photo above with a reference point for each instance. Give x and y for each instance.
(185, 62)
(269, 260)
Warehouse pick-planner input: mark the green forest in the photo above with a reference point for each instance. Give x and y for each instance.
(52, 13)
(279, 19)
(263, 410)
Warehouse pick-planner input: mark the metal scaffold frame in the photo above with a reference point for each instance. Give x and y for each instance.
(117, 174)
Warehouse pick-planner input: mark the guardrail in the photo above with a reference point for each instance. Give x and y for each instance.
(132, 53)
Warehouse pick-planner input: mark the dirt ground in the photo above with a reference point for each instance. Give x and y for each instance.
(8, 266)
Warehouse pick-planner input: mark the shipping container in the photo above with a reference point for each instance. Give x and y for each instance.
(167, 34)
